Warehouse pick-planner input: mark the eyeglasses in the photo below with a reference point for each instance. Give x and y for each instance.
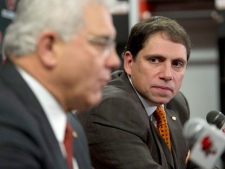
(104, 44)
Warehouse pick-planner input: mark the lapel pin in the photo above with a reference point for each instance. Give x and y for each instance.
(75, 134)
(174, 118)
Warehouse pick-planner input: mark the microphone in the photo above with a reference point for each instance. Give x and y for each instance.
(206, 141)
(217, 118)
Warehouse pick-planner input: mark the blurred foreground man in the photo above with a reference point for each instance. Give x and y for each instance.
(59, 56)
(138, 123)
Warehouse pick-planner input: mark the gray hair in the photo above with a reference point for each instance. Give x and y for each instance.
(64, 17)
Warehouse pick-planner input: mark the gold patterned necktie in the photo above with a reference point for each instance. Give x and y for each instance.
(162, 125)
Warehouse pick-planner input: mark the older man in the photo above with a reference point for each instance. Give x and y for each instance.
(59, 56)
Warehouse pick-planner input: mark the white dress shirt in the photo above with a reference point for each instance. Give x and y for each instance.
(54, 112)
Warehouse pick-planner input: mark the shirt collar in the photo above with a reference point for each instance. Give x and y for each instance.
(54, 112)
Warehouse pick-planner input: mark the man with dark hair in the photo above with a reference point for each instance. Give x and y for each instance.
(138, 123)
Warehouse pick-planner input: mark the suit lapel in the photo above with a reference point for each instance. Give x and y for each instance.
(180, 147)
(50, 140)
(10, 76)
(80, 147)
(165, 153)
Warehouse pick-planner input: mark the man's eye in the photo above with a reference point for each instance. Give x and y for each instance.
(178, 64)
(154, 60)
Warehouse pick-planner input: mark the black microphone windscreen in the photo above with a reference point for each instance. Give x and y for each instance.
(215, 117)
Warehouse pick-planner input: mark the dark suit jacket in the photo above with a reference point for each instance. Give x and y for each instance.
(27, 140)
(121, 135)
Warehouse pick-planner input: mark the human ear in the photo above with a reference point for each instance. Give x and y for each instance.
(128, 62)
(45, 48)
